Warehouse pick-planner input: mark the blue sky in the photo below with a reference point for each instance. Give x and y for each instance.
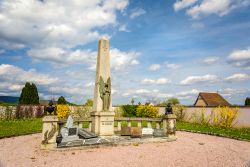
(159, 49)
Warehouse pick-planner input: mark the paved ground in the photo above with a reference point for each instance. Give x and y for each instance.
(189, 150)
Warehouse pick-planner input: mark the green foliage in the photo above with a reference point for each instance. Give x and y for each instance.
(247, 101)
(29, 94)
(81, 113)
(20, 127)
(118, 112)
(129, 110)
(236, 133)
(147, 111)
(173, 101)
(61, 100)
(132, 101)
(89, 103)
(179, 111)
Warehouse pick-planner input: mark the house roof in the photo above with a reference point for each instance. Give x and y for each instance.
(213, 99)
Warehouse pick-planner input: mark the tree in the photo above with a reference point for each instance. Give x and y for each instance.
(247, 101)
(89, 102)
(132, 101)
(61, 100)
(173, 101)
(29, 94)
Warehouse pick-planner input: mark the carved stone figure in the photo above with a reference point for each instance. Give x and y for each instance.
(105, 92)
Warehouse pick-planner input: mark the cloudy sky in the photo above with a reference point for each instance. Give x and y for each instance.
(159, 49)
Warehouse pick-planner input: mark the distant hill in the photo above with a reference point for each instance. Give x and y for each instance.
(9, 99)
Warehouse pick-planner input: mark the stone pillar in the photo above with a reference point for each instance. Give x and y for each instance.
(102, 121)
(50, 131)
(169, 123)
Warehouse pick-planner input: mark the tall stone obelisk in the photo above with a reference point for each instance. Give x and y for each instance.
(102, 116)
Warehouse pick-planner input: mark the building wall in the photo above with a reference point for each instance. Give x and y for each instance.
(200, 102)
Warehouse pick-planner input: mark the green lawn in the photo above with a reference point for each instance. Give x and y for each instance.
(29, 126)
(241, 133)
(20, 127)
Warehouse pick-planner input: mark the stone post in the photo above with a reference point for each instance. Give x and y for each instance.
(102, 117)
(169, 123)
(50, 131)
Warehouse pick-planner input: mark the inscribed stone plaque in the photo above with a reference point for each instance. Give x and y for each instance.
(72, 131)
(147, 131)
(125, 131)
(159, 133)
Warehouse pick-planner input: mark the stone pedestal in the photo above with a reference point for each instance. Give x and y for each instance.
(50, 131)
(169, 125)
(103, 123)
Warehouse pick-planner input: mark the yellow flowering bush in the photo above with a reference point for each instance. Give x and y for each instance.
(62, 111)
(147, 111)
(224, 116)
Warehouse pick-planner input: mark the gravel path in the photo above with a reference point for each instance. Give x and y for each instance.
(190, 149)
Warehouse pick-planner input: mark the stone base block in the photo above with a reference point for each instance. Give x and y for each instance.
(50, 131)
(103, 123)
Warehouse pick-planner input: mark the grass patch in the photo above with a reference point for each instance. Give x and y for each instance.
(144, 124)
(20, 127)
(124, 124)
(235, 133)
(85, 125)
(134, 123)
(115, 123)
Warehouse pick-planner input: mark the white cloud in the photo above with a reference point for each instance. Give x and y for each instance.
(240, 58)
(55, 23)
(233, 92)
(187, 94)
(172, 66)
(124, 28)
(159, 81)
(181, 4)
(210, 60)
(58, 55)
(137, 12)
(199, 79)
(120, 60)
(154, 67)
(238, 77)
(13, 74)
(209, 7)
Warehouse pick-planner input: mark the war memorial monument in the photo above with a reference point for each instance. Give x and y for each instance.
(62, 133)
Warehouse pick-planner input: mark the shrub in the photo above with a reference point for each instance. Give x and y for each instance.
(179, 111)
(129, 110)
(82, 113)
(89, 103)
(62, 111)
(147, 111)
(39, 111)
(224, 116)
(61, 100)
(118, 112)
(8, 113)
(200, 117)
